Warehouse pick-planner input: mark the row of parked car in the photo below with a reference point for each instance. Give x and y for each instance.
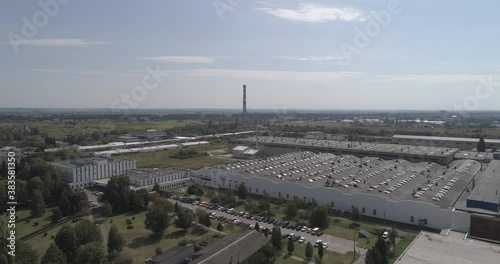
(269, 220)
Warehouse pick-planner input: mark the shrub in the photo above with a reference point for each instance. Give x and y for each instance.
(130, 227)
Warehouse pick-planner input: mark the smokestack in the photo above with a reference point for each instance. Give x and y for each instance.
(244, 99)
(244, 115)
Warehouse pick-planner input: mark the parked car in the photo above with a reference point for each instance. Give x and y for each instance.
(385, 235)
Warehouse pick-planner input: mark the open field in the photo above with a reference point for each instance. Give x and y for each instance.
(140, 246)
(328, 256)
(60, 130)
(387, 130)
(161, 159)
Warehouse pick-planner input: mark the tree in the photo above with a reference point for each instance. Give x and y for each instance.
(158, 251)
(291, 210)
(157, 220)
(276, 238)
(144, 194)
(392, 238)
(319, 217)
(203, 217)
(379, 252)
(184, 219)
(220, 227)
(156, 188)
(195, 189)
(106, 209)
(118, 190)
(481, 145)
(291, 246)
(309, 250)
(64, 205)
(56, 215)
(115, 242)
(356, 214)
(34, 184)
(373, 256)
(25, 254)
(257, 227)
(4, 170)
(37, 204)
(320, 250)
(53, 255)
(91, 253)
(242, 191)
(66, 241)
(87, 232)
(136, 202)
(79, 202)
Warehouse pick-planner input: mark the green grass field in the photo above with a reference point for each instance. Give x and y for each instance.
(140, 246)
(328, 256)
(390, 130)
(400, 248)
(60, 130)
(161, 159)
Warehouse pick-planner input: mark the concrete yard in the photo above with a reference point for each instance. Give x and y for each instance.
(451, 249)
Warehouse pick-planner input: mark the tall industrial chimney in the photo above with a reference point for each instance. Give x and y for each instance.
(244, 106)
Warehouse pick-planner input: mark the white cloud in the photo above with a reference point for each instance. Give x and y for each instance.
(425, 78)
(64, 71)
(180, 59)
(271, 75)
(316, 13)
(59, 42)
(312, 58)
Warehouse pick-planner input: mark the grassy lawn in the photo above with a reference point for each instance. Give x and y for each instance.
(60, 130)
(286, 259)
(347, 229)
(24, 228)
(140, 246)
(328, 256)
(400, 248)
(161, 159)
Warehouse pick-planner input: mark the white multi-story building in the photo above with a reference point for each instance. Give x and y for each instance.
(167, 179)
(82, 172)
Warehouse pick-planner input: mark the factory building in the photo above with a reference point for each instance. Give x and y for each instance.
(269, 146)
(167, 179)
(447, 142)
(82, 173)
(422, 193)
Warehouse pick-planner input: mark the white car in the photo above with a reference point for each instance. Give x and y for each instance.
(385, 234)
(325, 245)
(302, 240)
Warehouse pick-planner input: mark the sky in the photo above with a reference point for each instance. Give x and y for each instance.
(336, 54)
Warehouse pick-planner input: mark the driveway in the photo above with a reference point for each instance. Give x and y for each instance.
(336, 244)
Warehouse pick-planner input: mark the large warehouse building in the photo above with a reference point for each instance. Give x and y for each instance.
(421, 193)
(447, 142)
(269, 146)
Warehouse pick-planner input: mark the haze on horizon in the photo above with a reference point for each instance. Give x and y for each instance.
(427, 55)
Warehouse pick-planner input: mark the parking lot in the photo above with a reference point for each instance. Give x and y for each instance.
(335, 244)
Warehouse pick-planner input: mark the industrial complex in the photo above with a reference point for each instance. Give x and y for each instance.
(418, 185)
